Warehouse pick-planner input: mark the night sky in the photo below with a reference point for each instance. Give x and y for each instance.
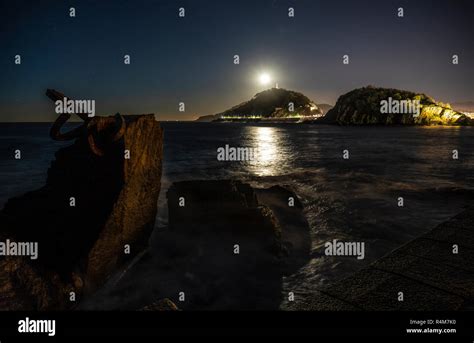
(191, 59)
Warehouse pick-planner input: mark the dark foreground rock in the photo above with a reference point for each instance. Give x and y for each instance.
(234, 244)
(223, 208)
(94, 214)
(227, 248)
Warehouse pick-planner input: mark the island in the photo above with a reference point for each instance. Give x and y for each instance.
(362, 106)
(385, 106)
(274, 105)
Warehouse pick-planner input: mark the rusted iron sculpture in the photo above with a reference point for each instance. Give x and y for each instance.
(101, 132)
(82, 246)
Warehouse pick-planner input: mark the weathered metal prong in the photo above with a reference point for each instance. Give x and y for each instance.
(55, 132)
(92, 128)
(119, 134)
(55, 96)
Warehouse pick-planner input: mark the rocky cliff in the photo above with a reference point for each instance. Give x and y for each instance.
(95, 212)
(363, 106)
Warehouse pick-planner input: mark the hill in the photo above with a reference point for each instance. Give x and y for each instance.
(387, 106)
(271, 104)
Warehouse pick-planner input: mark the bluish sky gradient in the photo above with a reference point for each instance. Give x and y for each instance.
(191, 59)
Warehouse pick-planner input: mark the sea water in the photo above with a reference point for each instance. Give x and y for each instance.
(354, 199)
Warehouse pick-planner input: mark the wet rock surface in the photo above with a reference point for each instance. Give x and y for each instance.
(225, 208)
(90, 208)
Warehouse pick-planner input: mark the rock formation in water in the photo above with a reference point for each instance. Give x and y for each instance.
(274, 103)
(95, 212)
(227, 247)
(223, 206)
(363, 106)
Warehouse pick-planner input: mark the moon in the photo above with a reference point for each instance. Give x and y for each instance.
(264, 79)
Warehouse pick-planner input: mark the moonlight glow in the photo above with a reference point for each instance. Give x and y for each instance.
(264, 79)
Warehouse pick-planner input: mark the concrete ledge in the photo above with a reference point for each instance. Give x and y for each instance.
(430, 275)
